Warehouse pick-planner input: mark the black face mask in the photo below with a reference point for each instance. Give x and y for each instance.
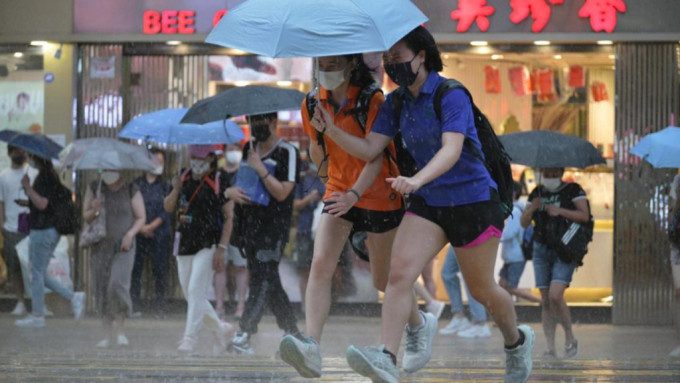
(18, 160)
(401, 73)
(261, 132)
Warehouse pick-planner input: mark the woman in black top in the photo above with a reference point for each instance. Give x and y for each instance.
(43, 240)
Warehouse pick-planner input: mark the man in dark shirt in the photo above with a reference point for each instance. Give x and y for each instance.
(154, 238)
(262, 230)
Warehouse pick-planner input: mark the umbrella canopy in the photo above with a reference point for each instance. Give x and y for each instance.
(544, 149)
(106, 154)
(661, 149)
(313, 28)
(240, 101)
(164, 126)
(36, 144)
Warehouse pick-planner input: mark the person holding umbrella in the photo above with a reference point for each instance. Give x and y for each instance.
(352, 199)
(452, 198)
(44, 237)
(201, 240)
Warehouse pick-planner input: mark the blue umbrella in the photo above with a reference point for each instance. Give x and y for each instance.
(661, 149)
(164, 126)
(6, 135)
(38, 145)
(313, 28)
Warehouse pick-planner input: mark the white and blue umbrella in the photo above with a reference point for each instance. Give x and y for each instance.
(164, 126)
(660, 149)
(314, 28)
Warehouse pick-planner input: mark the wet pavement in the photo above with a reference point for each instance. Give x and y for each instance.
(64, 352)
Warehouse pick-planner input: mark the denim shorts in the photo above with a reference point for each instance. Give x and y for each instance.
(549, 268)
(512, 272)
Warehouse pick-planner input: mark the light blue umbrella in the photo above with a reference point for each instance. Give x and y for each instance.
(661, 149)
(164, 126)
(314, 28)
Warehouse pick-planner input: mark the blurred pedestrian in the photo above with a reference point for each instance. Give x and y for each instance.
(460, 325)
(113, 258)
(452, 198)
(262, 230)
(153, 239)
(201, 239)
(43, 239)
(675, 263)
(235, 273)
(14, 219)
(554, 198)
(511, 251)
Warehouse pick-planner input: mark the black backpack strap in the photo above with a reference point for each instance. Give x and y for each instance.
(311, 102)
(363, 104)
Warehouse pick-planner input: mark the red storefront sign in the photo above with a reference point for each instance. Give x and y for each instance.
(539, 10)
(602, 13)
(170, 21)
(470, 11)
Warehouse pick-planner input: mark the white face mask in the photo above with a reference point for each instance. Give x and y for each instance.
(157, 171)
(110, 177)
(551, 183)
(331, 80)
(199, 167)
(234, 156)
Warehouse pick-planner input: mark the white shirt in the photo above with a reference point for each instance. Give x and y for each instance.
(511, 239)
(11, 190)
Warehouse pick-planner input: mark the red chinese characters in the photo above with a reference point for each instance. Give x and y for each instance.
(470, 11)
(602, 13)
(539, 10)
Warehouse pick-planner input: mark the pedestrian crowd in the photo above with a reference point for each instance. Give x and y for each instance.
(220, 228)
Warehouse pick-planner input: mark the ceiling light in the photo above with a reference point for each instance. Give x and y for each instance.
(18, 54)
(541, 42)
(558, 57)
(479, 43)
(284, 83)
(496, 57)
(38, 43)
(612, 57)
(605, 42)
(173, 42)
(238, 52)
(241, 83)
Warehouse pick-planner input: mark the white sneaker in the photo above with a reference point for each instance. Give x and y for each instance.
(31, 321)
(373, 363)
(104, 343)
(476, 331)
(48, 313)
(435, 308)
(187, 345)
(78, 305)
(122, 340)
(456, 324)
(19, 310)
(419, 344)
(675, 353)
(240, 344)
(303, 353)
(518, 362)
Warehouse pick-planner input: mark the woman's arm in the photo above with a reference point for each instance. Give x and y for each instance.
(580, 215)
(280, 190)
(91, 206)
(227, 227)
(343, 202)
(139, 213)
(443, 160)
(365, 149)
(38, 201)
(170, 202)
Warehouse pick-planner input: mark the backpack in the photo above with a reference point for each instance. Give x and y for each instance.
(359, 112)
(528, 243)
(65, 218)
(674, 228)
(495, 158)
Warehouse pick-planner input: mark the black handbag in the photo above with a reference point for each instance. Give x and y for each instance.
(569, 239)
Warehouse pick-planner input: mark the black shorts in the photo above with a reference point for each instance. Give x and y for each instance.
(372, 221)
(464, 225)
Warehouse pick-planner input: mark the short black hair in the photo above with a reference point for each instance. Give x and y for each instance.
(10, 149)
(361, 75)
(265, 116)
(517, 189)
(420, 39)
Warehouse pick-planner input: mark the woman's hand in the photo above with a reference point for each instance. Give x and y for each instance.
(553, 210)
(404, 185)
(322, 120)
(126, 243)
(237, 195)
(340, 203)
(96, 205)
(25, 181)
(176, 183)
(218, 260)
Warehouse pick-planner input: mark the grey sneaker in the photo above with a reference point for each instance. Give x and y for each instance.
(419, 344)
(240, 344)
(571, 350)
(518, 362)
(78, 305)
(303, 354)
(373, 363)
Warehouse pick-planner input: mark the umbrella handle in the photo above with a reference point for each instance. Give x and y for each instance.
(99, 185)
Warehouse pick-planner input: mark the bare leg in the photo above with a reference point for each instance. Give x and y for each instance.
(548, 320)
(560, 310)
(241, 287)
(304, 278)
(422, 292)
(331, 236)
(417, 241)
(220, 287)
(428, 279)
(527, 295)
(477, 266)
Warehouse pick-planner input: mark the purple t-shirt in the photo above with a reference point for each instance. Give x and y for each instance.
(468, 181)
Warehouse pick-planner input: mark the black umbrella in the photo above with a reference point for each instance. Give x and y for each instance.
(544, 149)
(240, 101)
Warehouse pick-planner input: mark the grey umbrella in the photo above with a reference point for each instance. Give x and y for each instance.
(544, 149)
(241, 101)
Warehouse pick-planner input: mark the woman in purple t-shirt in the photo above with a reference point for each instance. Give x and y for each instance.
(451, 198)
